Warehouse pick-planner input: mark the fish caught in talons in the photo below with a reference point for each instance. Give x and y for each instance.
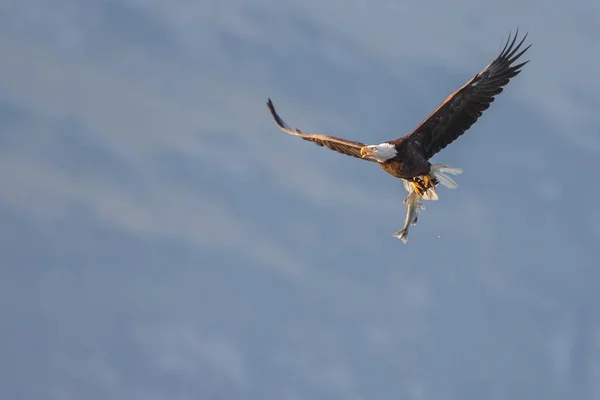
(421, 184)
(426, 191)
(413, 206)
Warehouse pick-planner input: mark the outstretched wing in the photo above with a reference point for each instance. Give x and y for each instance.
(343, 146)
(462, 108)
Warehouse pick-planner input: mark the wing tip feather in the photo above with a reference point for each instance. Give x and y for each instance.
(280, 122)
(509, 50)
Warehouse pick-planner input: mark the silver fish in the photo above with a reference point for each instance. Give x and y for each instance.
(413, 206)
(413, 200)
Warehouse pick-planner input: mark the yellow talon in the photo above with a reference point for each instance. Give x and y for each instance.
(419, 188)
(427, 182)
(422, 184)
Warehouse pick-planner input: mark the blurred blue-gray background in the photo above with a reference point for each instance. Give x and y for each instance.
(160, 238)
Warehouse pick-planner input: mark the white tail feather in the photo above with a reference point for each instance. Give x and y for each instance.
(447, 169)
(439, 171)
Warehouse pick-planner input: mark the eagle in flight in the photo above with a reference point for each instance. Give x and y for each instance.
(408, 157)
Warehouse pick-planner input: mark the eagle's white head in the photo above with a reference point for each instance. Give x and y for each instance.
(379, 152)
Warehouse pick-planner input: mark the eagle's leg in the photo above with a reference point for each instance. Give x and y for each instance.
(422, 184)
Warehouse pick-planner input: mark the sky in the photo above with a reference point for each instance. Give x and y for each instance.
(160, 238)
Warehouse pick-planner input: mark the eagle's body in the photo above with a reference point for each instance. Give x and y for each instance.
(408, 157)
(406, 163)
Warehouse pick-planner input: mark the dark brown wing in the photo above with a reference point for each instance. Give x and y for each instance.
(462, 108)
(343, 146)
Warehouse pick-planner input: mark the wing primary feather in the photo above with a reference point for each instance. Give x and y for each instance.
(280, 122)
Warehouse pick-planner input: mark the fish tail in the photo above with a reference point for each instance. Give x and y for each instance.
(402, 235)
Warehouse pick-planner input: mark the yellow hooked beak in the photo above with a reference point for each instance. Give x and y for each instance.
(365, 152)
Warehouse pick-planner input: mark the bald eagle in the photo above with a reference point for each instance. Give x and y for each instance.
(408, 157)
